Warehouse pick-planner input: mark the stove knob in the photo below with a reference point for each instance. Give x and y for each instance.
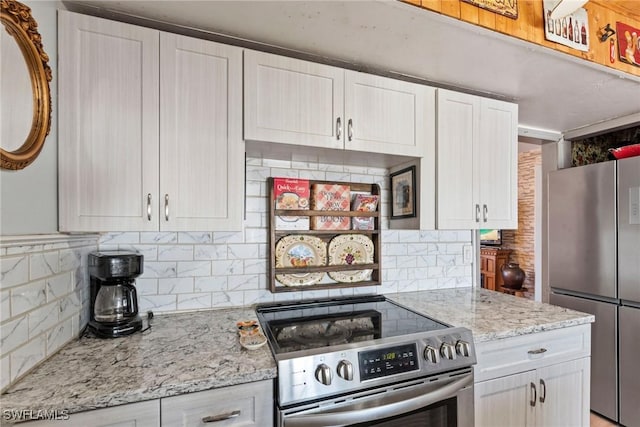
(448, 351)
(431, 354)
(323, 374)
(462, 348)
(345, 370)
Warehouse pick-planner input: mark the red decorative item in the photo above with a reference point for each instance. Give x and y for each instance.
(626, 151)
(628, 43)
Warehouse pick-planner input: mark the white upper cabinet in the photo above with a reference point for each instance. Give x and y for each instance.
(201, 146)
(498, 164)
(388, 116)
(477, 182)
(150, 129)
(291, 101)
(108, 124)
(298, 102)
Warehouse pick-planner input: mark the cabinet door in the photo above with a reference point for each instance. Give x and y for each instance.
(201, 146)
(458, 129)
(506, 401)
(108, 125)
(292, 101)
(563, 394)
(141, 414)
(497, 164)
(388, 116)
(244, 405)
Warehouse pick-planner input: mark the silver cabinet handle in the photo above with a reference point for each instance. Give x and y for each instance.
(338, 128)
(350, 129)
(166, 207)
(532, 402)
(543, 391)
(538, 351)
(485, 213)
(221, 417)
(477, 213)
(149, 206)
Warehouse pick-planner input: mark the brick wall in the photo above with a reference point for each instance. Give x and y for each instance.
(522, 241)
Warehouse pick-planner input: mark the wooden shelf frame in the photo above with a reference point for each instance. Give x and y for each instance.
(326, 236)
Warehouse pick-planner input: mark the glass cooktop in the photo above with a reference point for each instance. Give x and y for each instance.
(314, 324)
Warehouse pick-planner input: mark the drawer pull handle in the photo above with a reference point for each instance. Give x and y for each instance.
(532, 402)
(221, 417)
(543, 391)
(538, 351)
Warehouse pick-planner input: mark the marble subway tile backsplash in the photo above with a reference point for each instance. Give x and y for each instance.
(44, 298)
(44, 288)
(199, 270)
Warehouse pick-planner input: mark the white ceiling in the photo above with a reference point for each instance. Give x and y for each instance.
(555, 92)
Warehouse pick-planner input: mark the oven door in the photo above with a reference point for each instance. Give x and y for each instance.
(440, 401)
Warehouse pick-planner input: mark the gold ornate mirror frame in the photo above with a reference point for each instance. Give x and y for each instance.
(18, 22)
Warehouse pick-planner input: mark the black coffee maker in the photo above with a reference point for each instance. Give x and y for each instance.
(114, 301)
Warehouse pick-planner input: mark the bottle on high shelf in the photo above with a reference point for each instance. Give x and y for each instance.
(564, 27)
(570, 30)
(583, 33)
(576, 32)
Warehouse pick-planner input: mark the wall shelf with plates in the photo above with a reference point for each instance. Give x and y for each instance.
(305, 259)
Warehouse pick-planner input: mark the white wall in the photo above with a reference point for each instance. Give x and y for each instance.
(28, 198)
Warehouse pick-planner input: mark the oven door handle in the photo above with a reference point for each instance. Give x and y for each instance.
(361, 411)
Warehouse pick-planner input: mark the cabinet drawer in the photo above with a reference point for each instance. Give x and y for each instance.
(518, 354)
(141, 414)
(244, 405)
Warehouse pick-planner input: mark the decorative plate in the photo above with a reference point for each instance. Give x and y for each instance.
(351, 249)
(300, 251)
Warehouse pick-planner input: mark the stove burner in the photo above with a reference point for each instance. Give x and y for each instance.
(321, 333)
(326, 323)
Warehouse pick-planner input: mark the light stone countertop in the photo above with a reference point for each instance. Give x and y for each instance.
(490, 315)
(181, 353)
(195, 351)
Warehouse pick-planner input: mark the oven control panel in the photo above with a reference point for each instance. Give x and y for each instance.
(354, 367)
(387, 361)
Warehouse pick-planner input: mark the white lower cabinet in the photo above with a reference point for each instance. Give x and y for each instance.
(539, 379)
(245, 405)
(141, 414)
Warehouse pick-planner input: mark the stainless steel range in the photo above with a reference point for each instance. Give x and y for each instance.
(368, 361)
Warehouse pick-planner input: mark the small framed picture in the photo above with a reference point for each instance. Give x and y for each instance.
(403, 193)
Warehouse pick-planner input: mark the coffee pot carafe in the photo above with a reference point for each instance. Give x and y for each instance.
(114, 301)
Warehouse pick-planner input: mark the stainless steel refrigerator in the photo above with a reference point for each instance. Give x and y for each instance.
(594, 267)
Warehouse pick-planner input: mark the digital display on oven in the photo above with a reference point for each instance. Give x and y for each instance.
(387, 361)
